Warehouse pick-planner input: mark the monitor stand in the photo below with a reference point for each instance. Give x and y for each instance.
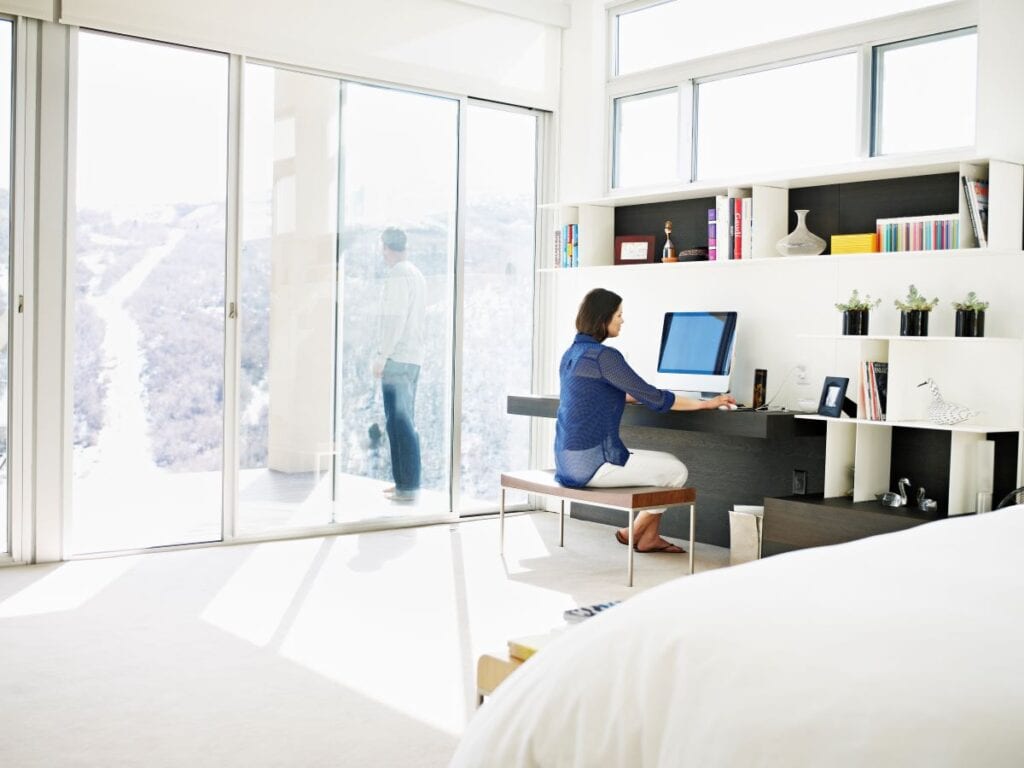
(695, 395)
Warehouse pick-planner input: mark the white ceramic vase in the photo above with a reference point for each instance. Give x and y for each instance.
(801, 241)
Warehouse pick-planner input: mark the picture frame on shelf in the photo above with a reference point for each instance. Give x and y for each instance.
(833, 396)
(634, 249)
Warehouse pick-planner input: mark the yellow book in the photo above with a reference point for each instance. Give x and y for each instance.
(863, 243)
(523, 648)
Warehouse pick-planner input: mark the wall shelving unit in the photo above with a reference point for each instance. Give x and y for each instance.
(862, 457)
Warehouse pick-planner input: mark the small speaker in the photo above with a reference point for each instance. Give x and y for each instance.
(760, 387)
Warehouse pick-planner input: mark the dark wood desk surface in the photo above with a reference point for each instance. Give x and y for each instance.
(758, 424)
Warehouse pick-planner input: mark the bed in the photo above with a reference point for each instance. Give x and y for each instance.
(903, 649)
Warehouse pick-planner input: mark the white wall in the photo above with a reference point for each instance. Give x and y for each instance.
(444, 45)
(782, 301)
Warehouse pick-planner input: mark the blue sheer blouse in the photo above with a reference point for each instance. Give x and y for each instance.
(594, 382)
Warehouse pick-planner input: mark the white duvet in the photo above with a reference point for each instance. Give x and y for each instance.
(898, 650)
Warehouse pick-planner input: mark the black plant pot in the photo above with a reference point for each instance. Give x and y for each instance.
(855, 322)
(970, 322)
(914, 322)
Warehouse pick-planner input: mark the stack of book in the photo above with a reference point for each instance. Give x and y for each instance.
(567, 246)
(730, 226)
(919, 233)
(874, 386)
(976, 192)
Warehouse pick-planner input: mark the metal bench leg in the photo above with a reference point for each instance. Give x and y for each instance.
(693, 533)
(501, 524)
(561, 523)
(629, 566)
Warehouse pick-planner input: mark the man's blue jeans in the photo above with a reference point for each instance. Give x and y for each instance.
(398, 385)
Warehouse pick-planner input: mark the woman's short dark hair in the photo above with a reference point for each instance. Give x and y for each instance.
(597, 310)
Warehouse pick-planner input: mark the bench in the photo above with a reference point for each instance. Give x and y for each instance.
(630, 499)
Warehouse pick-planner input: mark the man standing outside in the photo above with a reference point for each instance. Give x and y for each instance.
(399, 355)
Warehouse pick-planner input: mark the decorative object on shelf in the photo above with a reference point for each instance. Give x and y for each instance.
(895, 500)
(801, 241)
(668, 251)
(970, 316)
(984, 471)
(855, 313)
(914, 311)
(833, 393)
(924, 503)
(634, 249)
(693, 254)
(942, 412)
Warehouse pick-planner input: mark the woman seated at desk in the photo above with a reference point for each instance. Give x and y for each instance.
(596, 383)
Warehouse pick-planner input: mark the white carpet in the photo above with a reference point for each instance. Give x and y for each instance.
(350, 650)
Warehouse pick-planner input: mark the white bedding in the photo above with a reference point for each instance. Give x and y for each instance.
(905, 649)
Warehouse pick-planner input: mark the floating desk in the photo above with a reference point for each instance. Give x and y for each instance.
(734, 457)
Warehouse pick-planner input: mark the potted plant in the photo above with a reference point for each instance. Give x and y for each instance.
(914, 310)
(970, 316)
(855, 313)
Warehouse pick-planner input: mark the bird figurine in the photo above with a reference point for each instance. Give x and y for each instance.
(943, 412)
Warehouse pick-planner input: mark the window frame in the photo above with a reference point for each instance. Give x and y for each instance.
(862, 37)
(878, 76)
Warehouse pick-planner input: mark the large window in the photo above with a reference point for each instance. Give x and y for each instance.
(925, 93)
(681, 30)
(497, 296)
(647, 140)
(287, 279)
(393, 418)
(149, 295)
(6, 53)
(790, 117)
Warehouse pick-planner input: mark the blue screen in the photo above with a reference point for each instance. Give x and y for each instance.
(697, 342)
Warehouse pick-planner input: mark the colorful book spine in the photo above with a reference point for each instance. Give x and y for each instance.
(712, 240)
(575, 245)
(737, 228)
(918, 233)
(723, 206)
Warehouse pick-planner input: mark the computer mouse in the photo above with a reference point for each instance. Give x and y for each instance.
(727, 407)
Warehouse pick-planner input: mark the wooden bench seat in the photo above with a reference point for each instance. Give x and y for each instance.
(632, 499)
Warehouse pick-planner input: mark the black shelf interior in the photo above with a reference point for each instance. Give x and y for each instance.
(835, 209)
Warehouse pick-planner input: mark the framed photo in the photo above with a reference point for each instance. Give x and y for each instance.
(634, 249)
(833, 394)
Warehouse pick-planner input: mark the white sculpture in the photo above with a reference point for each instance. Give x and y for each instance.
(942, 412)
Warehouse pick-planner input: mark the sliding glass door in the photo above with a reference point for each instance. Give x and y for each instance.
(149, 278)
(497, 297)
(346, 284)
(6, 92)
(393, 427)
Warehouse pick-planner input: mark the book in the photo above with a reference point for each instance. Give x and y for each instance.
(881, 377)
(918, 233)
(737, 228)
(712, 243)
(748, 223)
(575, 246)
(522, 648)
(558, 248)
(724, 228)
(575, 615)
(976, 192)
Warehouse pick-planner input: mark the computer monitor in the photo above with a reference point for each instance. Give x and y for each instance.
(696, 352)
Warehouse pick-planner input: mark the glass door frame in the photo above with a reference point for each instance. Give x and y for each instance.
(17, 519)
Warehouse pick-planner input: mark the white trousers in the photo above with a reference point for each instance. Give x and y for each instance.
(642, 468)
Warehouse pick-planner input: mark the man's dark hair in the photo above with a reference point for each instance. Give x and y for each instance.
(393, 239)
(596, 311)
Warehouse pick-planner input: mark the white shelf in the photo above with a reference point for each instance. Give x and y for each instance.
(868, 169)
(963, 427)
(971, 253)
(912, 339)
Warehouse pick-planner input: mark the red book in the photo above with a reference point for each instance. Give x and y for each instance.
(737, 240)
